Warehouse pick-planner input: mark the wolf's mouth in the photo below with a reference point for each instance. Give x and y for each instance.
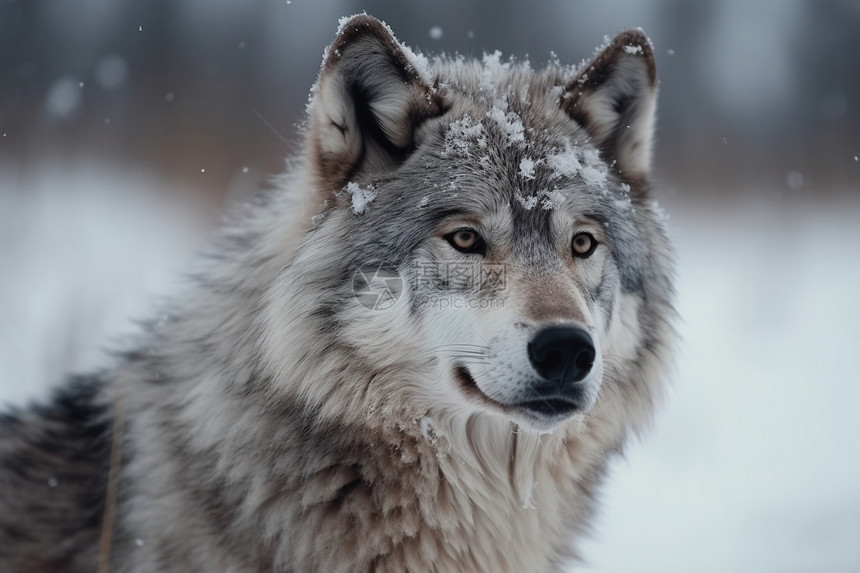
(470, 388)
(550, 407)
(553, 406)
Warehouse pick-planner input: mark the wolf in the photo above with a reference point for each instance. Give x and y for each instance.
(417, 351)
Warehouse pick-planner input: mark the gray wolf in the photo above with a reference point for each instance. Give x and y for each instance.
(418, 351)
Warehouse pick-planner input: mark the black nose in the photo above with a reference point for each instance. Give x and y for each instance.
(562, 354)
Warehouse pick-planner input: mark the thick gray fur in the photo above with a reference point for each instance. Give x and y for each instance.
(270, 422)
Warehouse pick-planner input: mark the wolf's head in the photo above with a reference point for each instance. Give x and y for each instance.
(484, 240)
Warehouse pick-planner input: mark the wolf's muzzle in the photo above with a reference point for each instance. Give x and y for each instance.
(562, 354)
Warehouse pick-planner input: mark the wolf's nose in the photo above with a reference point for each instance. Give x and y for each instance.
(562, 354)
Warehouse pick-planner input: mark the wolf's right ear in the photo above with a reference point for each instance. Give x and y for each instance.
(614, 97)
(371, 95)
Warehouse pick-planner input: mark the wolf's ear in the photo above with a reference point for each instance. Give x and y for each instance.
(371, 95)
(614, 97)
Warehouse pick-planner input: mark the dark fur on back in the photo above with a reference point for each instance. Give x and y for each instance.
(52, 488)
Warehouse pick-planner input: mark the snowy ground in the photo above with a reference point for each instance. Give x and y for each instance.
(753, 464)
(82, 251)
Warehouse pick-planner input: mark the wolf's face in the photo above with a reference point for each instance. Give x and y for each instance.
(491, 220)
(513, 302)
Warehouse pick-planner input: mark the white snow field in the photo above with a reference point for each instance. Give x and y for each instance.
(753, 463)
(84, 250)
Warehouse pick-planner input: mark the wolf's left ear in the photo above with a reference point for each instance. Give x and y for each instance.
(371, 96)
(614, 97)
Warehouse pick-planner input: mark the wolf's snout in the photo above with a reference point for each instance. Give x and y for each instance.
(563, 354)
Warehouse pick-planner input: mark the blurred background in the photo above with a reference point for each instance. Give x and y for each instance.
(126, 125)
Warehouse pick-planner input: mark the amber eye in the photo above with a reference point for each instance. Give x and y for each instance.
(466, 241)
(583, 245)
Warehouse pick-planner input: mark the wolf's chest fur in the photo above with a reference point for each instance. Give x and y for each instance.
(284, 417)
(406, 503)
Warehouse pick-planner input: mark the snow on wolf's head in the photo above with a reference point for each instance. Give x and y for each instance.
(484, 242)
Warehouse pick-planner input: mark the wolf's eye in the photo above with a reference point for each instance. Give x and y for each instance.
(466, 241)
(583, 245)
